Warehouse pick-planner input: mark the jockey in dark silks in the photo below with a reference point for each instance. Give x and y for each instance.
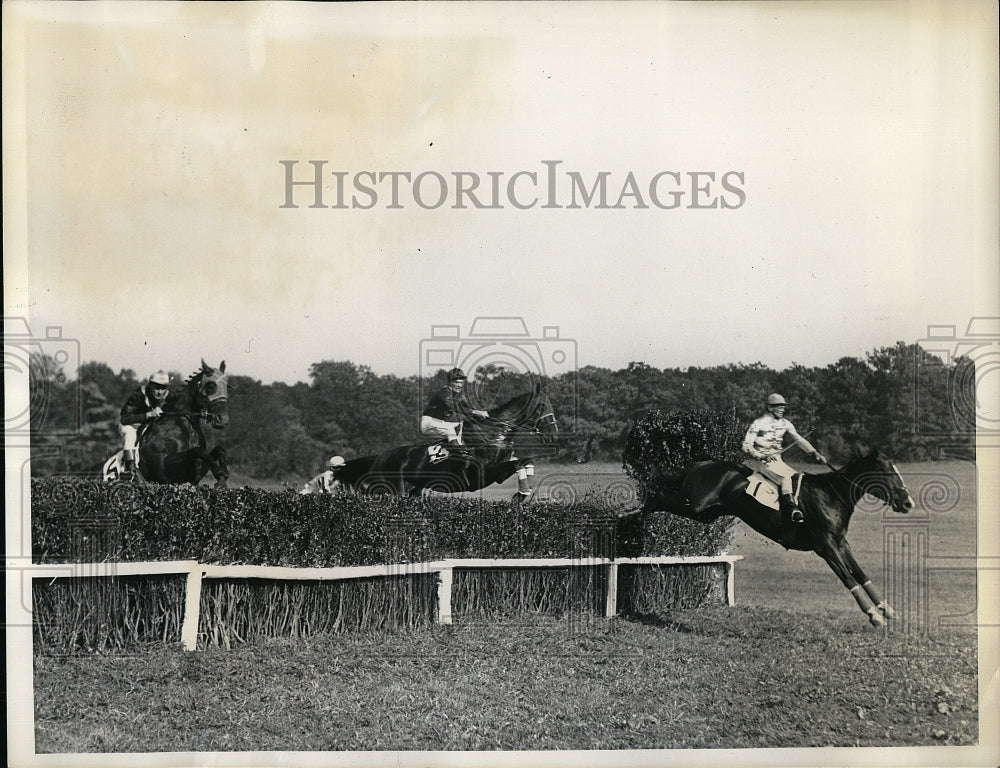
(144, 406)
(447, 409)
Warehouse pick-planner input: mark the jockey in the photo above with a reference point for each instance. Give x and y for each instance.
(144, 406)
(326, 482)
(764, 444)
(447, 409)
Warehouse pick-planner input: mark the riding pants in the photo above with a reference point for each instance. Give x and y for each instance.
(450, 430)
(130, 436)
(775, 470)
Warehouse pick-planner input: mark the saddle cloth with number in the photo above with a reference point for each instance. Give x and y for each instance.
(765, 492)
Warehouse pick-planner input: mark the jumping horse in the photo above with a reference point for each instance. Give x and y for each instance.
(495, 448)
(708, 489)
(174, 448)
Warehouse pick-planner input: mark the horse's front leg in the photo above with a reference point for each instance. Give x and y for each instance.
(835, 558)
(217, 465)
(866, 583)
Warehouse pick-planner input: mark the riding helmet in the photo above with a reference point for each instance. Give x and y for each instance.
(336, 461)
(161, 378)
(775, 399)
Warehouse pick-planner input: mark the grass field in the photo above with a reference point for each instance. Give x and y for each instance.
(795, 664)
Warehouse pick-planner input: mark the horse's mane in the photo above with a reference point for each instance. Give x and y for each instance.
(516, 405)
(190, 385)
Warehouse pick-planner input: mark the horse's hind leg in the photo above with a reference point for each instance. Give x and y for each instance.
(835, 558)
(866, 583)
(524, 489)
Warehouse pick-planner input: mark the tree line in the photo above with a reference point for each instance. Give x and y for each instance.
(909, 403)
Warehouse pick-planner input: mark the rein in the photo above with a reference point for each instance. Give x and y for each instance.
(203, 414)
(842, 474)
(857, 485)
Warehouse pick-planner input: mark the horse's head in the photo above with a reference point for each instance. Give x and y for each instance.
(532, 411)
(878, 477)
(210, 393)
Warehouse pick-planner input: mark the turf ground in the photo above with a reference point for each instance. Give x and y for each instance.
(794, 664)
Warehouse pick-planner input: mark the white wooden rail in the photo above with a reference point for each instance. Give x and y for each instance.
(196, 572)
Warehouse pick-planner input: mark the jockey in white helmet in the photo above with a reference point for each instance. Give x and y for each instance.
(326, 482)
(764, 444)
(144, 406)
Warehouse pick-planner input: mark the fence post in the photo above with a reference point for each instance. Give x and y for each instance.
(192, 608)
(611, 599)
(730, 582)
(444, 595)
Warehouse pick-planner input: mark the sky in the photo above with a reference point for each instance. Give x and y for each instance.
(858, 141)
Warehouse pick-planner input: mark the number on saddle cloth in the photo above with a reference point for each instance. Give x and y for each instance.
(114, 467)
(437, 453)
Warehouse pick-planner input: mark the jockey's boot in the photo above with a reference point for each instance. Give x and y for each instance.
(129, 464)
(790, 508)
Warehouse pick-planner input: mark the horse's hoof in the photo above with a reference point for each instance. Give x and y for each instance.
(876, 619)
(887, 611)
(220, 484)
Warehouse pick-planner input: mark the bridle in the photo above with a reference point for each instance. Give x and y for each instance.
(854, 484)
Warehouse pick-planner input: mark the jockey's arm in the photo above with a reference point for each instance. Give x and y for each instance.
(135, 411)
(805, 445)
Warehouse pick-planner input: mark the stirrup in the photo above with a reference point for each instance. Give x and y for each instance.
(798, 516)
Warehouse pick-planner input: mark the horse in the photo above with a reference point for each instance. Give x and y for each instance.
(174, 448)
(496, 447)
(708, 489)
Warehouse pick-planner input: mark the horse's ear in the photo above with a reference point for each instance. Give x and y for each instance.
(204, 366)
(222, 366)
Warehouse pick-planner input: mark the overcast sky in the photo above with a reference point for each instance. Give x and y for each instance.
(860, 139)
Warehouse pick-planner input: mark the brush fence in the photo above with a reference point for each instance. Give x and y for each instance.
(444, 570)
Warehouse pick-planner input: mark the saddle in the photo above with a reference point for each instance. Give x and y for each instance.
(765, 491)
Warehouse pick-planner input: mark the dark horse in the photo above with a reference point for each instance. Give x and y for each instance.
(709, 489)
(495, 448)
(174, 448)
